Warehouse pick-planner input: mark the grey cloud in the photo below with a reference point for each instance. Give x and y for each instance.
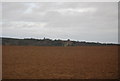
(92, 21)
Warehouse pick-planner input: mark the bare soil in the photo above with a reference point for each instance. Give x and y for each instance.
(37, 62)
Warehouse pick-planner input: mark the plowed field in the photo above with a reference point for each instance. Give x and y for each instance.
(37, 62)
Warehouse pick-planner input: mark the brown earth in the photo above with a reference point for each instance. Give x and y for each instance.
(35, 62)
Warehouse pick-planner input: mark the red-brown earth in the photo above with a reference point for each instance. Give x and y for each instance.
(82, 62)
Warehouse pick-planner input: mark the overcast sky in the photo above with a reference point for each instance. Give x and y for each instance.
(86, 21)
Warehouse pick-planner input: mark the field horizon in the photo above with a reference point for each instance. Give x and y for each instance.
(50, 42)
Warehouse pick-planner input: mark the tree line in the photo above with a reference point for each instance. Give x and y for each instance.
(48, 42)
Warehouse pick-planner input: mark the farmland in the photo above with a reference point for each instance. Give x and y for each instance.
(57, 62)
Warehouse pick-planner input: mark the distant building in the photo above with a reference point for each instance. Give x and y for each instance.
(67, 43)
